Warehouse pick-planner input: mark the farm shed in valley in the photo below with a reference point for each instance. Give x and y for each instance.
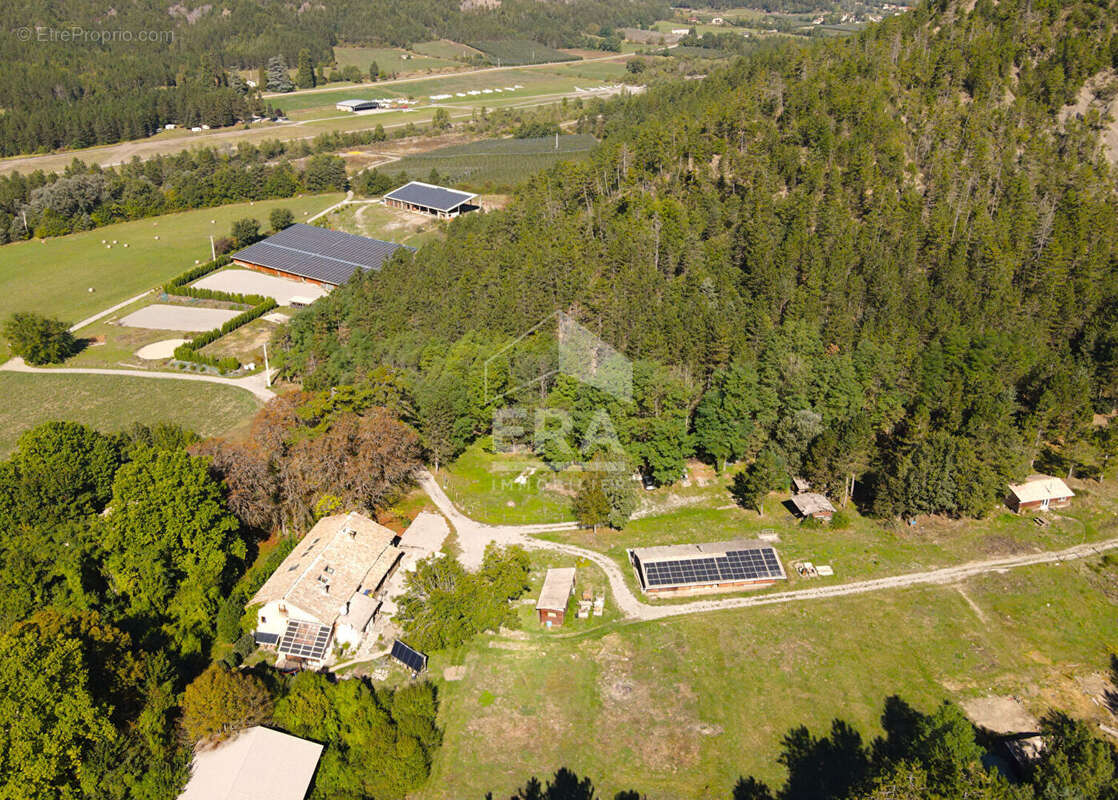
(427, 198)
(315, 255)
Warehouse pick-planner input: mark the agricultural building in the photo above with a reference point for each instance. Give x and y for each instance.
(315, 255)
(705, 568)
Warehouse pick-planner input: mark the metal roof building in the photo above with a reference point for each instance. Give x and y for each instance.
(1039, 492)
(813, 504)
(706, 567)
(428, 199)
(557, 587)
(256, 764)
(317, 255)
(357, 105)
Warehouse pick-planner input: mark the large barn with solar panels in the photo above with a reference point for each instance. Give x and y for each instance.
(326, 589)
(315, 255)
(703, 568)
(426, 198)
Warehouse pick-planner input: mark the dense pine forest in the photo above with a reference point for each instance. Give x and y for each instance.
(884, 257)
(80, 92)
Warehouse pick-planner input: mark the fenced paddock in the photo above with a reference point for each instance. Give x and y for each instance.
(244, 281)
(164, 317)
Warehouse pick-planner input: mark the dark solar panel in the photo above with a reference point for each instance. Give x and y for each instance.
(312, 252)
(412, 659)
(304, 640)
(436, 197)
(737, 565)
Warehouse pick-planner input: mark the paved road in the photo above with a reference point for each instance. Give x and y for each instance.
(473, 536)
(252, 383)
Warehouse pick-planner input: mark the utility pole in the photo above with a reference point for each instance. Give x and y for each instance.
(556, 140)
(267, 371)
(213, 250)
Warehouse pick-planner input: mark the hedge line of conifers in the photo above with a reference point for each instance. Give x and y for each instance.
(189, 351)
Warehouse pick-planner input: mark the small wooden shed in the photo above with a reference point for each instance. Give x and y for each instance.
(1039, 493)
(813, 504)
(558, 585)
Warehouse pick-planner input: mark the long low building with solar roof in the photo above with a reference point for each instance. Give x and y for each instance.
(683, 569)
(315, 255)
(427, 198)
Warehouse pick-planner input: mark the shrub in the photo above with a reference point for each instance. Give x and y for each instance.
(39, 340)
(281, 218)
(841, 520)
(245, 231)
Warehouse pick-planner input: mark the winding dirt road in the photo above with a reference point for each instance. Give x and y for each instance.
(473, 536)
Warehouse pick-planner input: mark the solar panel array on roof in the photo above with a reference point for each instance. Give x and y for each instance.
(738, 565)
(412, 659)
(304, 640)
(429, 196)
(317, 253)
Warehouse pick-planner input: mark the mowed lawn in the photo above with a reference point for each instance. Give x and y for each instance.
(111, 403)
(681, 708)
(53, 276)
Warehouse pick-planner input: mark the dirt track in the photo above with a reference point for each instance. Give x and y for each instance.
(473, 536)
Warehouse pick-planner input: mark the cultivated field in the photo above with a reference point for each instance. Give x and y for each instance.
(493, 163)
(444, 48)
(54, 276)
(112, 403)
(520, 51)
(682, 708)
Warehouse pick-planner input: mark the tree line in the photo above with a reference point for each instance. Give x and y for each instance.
(848, 258)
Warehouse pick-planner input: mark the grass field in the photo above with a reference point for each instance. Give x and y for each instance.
(494, 162)
(54, 276)
(378, 222)
(483, 485)
(390, 60)
(111, 403)
(682, 708)
(520, 51)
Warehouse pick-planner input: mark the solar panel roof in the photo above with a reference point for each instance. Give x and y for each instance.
(304, 640)
(734, 566)
(412, 659)
(425, 194)
(318, 253)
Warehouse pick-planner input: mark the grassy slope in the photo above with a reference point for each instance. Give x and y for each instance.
(53, 276)
(483, 484)
(110, 403)
(681, 708)
(390, 59)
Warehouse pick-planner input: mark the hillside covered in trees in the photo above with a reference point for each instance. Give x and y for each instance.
(78, 73)
(883, 257)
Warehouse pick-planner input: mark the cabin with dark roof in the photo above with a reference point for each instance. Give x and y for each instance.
(427, 198)
(315, 255)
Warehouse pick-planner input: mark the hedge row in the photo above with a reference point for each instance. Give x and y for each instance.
(215, 294)
(189, 350)
(198, 271)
